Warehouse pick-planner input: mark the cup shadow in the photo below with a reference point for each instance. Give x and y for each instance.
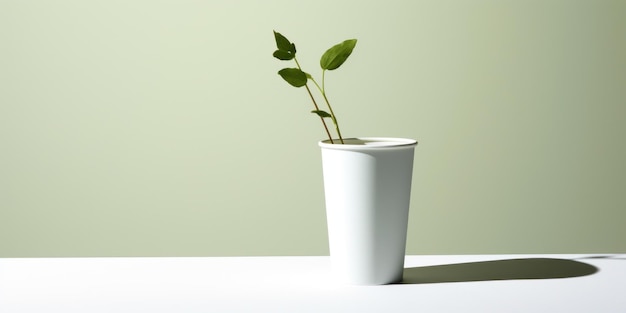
(510, 269)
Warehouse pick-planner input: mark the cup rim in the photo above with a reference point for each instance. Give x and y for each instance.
(368, 143)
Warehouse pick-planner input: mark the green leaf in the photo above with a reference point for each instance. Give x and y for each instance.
(321, 113)
(282, 43)
(337, 55)
(295, 77)
(283, 55)
(286, 49)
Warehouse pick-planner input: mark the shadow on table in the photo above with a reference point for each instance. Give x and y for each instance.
(527, 268)
(606, 257)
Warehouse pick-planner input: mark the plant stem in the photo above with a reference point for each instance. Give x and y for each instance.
(330, 108)
(333, 117)
(330, 137)
(321, 118)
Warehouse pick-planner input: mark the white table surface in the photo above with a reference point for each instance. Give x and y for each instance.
(470, 283)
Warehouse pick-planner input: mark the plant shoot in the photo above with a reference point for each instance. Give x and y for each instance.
(332, 59)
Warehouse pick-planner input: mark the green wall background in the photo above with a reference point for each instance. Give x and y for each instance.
(160, 128)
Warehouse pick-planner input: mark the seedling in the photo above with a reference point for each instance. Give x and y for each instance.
(332, 59)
